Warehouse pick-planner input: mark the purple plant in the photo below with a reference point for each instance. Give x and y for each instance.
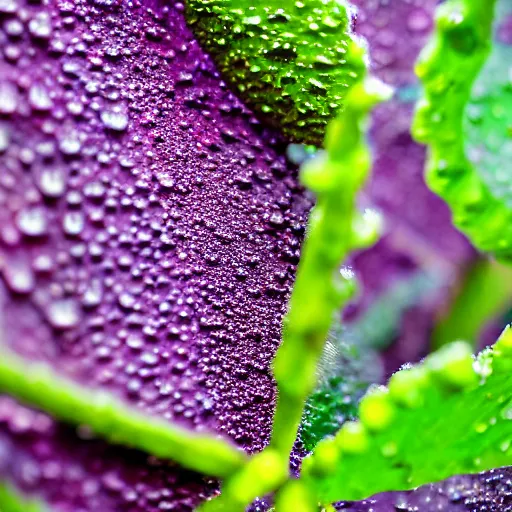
(150, 230)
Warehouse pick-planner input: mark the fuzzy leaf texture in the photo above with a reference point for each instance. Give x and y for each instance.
(449, 415)
(448, 68)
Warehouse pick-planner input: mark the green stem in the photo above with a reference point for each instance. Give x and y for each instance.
(12, 501)
(296, 497)
(335, 229)
(485, 294)
(109, 417)
(319, 290)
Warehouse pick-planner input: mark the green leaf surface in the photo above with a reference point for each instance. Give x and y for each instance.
(488, 116)
(109, 417)
(448, 68)
(450, 415)
(289, 60)
(344, 374)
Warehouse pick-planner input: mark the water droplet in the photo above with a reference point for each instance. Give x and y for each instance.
(63, 313)
(134, 342)
(52, 183)
(70, 145)
(8, 6)
(505, 445)
(115, 119)
(418, 20)
(389, 449)
(149, 358)
(40, 26)
(8, 98)
(127, 300)
(93, 295)
(39, 99)
(73, 223)
(18, 277)
(32, 221)
(480, 428)
(14, 28)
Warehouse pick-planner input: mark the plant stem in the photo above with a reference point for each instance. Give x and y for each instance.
(12, 501)
(109, 417)
(320, 290)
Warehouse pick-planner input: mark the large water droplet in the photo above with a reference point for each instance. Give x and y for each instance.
(32, 221)
(8, 6)
(115, 119)
(19, 277)
(63, 313)
(8, 98)
(40, 26)
(39, 99)
(52, 183)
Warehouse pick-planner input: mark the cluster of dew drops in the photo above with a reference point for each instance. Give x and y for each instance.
(149, 226)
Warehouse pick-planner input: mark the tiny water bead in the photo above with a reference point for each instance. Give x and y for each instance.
(292, 61)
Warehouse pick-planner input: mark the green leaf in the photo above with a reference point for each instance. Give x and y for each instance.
(450, 415)
(109, 417)
(488, 117)
(448, 68)
(289, 60)
(344, 374)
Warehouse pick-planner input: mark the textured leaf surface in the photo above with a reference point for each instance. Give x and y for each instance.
(335, 228)
(289, 60)
(450, 415)
(150, 229)
(485, 492)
